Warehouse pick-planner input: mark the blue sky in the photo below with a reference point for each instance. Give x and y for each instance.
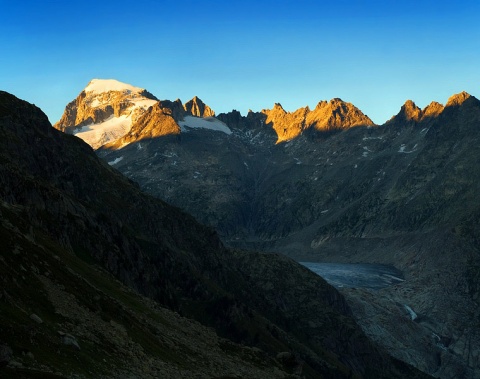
(244, 54)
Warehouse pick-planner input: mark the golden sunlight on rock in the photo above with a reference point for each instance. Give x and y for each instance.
(327, 116)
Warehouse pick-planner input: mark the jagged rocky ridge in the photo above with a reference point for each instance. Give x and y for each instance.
(105, 100)
(326, 117)
(69, 221)
(402, 193)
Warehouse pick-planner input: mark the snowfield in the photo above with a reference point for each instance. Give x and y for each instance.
(210, 123)
(111, 129)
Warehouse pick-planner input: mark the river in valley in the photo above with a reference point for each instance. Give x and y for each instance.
(362, 275)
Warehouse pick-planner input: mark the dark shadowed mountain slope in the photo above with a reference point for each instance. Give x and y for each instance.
(69, 222)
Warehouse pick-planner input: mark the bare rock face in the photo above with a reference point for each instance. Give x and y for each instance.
(198, 108)
(287, 125)
(104, 111)
(433, 109)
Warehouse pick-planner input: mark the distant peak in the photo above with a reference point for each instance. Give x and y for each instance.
(107, 85)
(457, 99)
(197, 100)
(196, 107)
(433, 109)
(410, 111)
(410, 104)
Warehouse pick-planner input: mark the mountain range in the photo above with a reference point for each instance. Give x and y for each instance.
(327, 185)
(100, 280)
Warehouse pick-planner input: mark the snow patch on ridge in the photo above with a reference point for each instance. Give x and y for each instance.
(413, 315)
(106, 85)
(210, 123)
(143, 103)
(115, 161)
(403, 147)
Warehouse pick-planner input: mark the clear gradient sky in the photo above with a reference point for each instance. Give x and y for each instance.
(244, 54)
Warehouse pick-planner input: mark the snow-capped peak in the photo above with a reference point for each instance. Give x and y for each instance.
(105, 111)
(97, 86)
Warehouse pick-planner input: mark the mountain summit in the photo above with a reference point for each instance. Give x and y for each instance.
(458, 99)
(104, 111)
(410, 113)
(198, 108)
